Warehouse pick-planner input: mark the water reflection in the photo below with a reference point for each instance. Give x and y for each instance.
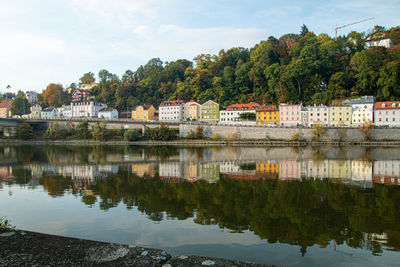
(301, 197)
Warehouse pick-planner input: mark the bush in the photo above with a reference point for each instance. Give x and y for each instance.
(132, 135)
(199, 132)
(163, 133)
(295, 137)
(25, 131)
(83, 130)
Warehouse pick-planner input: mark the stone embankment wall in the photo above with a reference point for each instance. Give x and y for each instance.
(288, 133)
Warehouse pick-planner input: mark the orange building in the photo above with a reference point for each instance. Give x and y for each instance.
(144, 113)
(267, 114)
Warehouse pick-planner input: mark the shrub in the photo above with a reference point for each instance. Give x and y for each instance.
(295, 137)
(367, 131)
(215, 136)
(83, 130)
(318, 131)
(132, 135)
(25, 131)
(199, 132)
(5, 223)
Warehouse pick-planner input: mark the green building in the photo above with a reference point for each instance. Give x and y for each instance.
(210, 111)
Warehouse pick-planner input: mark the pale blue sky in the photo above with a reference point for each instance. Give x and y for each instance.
(44, 41)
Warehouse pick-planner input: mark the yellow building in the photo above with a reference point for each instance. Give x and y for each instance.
(339, 116)
(267, 115)
(191, 111)
(144, 113)
(268, 169)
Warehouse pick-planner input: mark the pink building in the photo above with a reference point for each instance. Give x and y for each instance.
(290, 115)
(289, 169)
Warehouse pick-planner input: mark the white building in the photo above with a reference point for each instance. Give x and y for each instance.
(86, 109)
(108, 114)
(318, 115)
(32, 97)
(379, 39)
(171, 169)
(65, 111)
(171, 111)
(362, 110)
(232, 112)
(49, 113)
(36, 111)
(387, 113)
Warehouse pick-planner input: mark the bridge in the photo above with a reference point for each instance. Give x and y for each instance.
(8, 126)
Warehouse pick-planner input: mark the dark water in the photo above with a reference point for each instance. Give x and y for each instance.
(284, 206)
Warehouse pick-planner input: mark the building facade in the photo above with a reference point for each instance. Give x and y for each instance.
(267, 114)
(290, 115)
(232, 112)
(144, 113)
(191, 111)
(318, 115)
(49, 113)
(171, 111)
(86, 109)
(80, 95)
(387, 113)
(108, 114)
(5, 109)
(210, 111)
(36, 111)
(340, 116)
(362, 110)
(32, 97)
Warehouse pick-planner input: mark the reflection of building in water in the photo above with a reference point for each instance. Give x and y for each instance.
(387, 172)
(80, 172)
(210, 172)
(289, 169)
(316, 169)
(5, 173)
(192, 171)
(144, 169)
(170, 169)
(339, 169)
(229, 167)
(268, 169)
(361, 170)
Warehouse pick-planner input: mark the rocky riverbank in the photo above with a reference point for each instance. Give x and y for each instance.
(24, 248)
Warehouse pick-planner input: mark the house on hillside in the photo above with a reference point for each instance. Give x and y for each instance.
(108, 113)
(379, 39)
(49, 113)
(144, 113)
(80, 95)
(5, 109)
(32, 97)
(36, 111)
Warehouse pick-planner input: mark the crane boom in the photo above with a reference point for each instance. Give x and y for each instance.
(343, 26)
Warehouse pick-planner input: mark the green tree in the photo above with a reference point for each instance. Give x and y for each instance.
(25, 131)
(87, 78)
(83, 130)
(20, 106)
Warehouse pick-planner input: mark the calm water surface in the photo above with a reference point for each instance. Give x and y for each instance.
(284, 206)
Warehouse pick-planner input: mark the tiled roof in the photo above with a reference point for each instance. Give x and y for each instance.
(387, 105)
(250, 106)
(171, 103)
(5, 104)
(267, 108)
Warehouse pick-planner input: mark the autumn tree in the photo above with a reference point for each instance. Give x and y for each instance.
(55, 95)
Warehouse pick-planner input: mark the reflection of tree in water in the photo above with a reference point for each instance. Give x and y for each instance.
(55, 185)
(163, 153)
(301, 213)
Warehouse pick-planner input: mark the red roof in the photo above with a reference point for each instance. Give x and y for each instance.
(145, 107)
(267, 108)
(250, 106)
(5, 104)
(387, 105)
(171, 103)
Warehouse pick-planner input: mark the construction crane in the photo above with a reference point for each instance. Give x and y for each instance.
(343, 26)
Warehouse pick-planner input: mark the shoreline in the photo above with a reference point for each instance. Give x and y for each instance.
(203, 142)
(21, 248)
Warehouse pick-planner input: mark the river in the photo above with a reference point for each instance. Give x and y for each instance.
(307, 206)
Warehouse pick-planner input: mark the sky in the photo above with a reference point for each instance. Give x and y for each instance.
(57, 41)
